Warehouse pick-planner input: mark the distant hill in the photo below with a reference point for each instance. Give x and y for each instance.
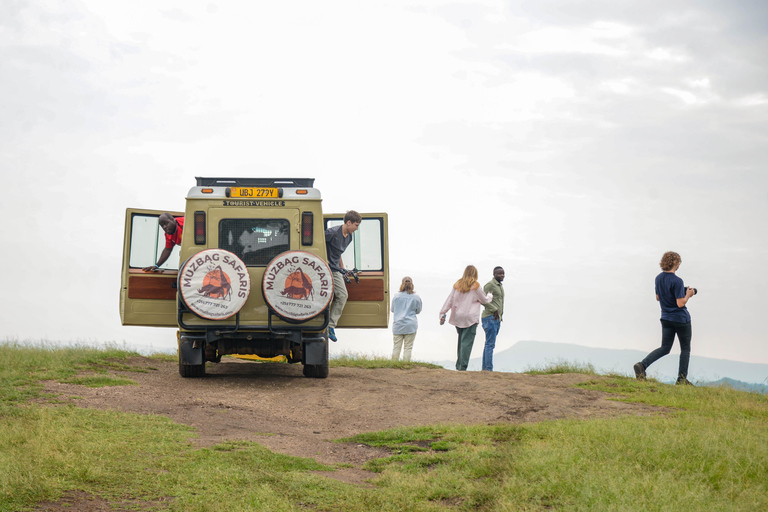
(525, 355)
(741, 386)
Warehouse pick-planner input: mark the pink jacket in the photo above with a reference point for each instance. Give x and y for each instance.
(465, 307)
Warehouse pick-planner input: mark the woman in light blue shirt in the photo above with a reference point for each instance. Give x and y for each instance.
(405, 305)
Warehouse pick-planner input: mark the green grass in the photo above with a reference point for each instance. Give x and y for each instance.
(373, 361)
(708, 451)
(562, 366)
(704, 449)
(25, 366)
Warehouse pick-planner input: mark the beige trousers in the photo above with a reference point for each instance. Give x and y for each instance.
(339, 299)
(406, 342)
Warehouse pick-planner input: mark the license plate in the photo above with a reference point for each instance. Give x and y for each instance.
(252, 192)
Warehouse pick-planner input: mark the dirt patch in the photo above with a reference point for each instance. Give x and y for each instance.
(84, 502)
(274, 405)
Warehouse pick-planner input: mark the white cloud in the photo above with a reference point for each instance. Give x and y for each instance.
(753, 100)
(687, 97)
(551, 138)
(667, 54)
(600, 38)
(621, 86)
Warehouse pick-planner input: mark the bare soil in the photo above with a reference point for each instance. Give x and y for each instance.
(274, 405)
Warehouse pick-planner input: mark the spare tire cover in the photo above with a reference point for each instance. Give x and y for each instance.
(297, 285)
(214, 284)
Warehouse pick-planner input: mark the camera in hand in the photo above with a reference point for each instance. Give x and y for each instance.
(695, 291)
(354, 273)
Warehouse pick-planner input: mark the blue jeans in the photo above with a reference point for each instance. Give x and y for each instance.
(668, 331)
(491, 327)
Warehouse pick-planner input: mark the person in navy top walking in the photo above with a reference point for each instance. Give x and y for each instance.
(673, 296)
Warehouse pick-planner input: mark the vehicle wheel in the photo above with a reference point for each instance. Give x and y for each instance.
(214, 284)
(318, 371)
(297, 286)
(191, 370)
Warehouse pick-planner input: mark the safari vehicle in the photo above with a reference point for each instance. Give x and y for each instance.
(250, 276)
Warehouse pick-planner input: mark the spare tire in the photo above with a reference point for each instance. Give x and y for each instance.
(297, 286)
(214, 284)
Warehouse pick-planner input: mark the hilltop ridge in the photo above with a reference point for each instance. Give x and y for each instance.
(527, 354)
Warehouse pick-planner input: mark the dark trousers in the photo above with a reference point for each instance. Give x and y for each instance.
(668, 331)
(466, 340)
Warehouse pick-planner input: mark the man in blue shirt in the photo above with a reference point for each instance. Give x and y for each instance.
(673, 296)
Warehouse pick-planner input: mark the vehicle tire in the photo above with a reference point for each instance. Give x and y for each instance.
(191, 370)
(214, 284)
(297, 286)
(318, 371)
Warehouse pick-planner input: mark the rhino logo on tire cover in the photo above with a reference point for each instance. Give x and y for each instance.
(216, 285)
(297, 285)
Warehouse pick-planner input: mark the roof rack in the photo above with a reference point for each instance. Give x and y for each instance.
(255, 182)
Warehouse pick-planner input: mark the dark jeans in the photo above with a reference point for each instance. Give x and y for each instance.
(491, 327)
(466, 340)
(668, 331)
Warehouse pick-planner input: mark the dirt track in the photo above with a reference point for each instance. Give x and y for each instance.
(274, 405)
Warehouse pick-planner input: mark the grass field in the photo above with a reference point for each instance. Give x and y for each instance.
(709, 452)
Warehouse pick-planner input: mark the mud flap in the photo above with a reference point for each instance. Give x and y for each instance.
(189, 355)
(314, 352)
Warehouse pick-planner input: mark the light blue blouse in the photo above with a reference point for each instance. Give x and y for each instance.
(405, 306)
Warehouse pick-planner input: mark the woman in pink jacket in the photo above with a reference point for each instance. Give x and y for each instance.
(464, 302)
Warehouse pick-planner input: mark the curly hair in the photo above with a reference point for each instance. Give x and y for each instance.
(669, 261)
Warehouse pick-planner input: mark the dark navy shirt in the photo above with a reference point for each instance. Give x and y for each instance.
(335, 245)
(669, 288)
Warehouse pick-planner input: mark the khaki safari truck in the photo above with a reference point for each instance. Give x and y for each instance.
(250, 277)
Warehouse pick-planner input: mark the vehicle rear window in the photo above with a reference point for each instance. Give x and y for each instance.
(255, 241)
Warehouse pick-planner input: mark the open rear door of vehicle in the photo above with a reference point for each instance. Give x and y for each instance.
(147, 298)
(368, 303)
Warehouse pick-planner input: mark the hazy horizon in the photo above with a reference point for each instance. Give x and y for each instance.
(570, 142)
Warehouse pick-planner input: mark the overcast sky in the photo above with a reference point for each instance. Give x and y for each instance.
(571, 142)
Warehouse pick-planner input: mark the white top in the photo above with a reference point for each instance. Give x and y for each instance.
(405, 306)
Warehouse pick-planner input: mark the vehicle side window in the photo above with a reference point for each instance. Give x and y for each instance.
(366, 252)
(255, 241)
(147, 242)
